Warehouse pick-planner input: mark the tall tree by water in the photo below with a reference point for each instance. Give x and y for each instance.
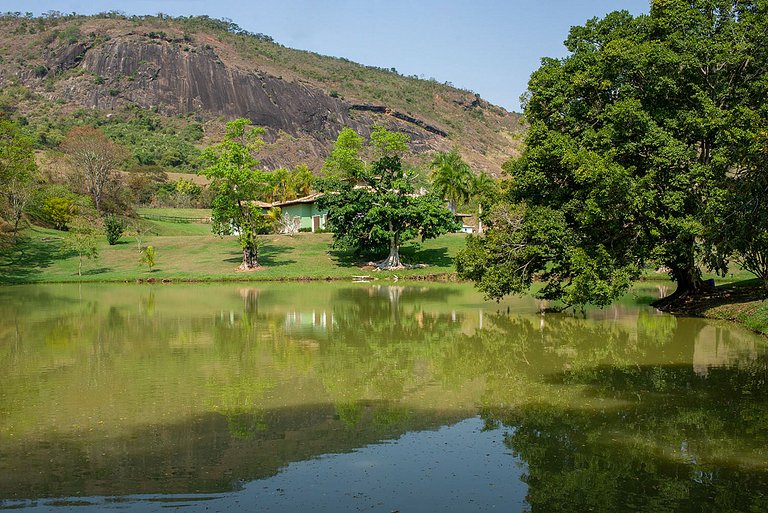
(238, 183)
(631, 135)
(17, 171)
(373, 208)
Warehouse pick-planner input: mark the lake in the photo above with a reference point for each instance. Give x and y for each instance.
(365, 397)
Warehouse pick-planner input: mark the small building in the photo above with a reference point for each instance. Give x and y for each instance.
(465, 220)
(303, 212)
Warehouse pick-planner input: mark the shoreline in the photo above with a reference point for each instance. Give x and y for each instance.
(741, 302)
(434, 278)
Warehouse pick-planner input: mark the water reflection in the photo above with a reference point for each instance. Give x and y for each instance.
(123, 390)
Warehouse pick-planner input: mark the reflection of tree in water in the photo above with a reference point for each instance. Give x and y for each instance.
(389, 337)
(646, 438)
(594, 408)
(386, 302)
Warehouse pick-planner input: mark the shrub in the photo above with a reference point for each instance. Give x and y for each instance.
(115, 228)
(59, 211)
(55, 206)
(70, 34)
(148, 257)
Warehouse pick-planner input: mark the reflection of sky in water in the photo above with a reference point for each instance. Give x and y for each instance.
(458, 468)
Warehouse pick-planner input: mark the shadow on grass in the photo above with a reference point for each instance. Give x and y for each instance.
(344, 258)
(411, 254)
(269, 256)
(437, 257)
(725, 295)
(98, 270)
(29, 256)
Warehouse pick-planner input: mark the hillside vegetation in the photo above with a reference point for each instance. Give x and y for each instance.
(158, 85)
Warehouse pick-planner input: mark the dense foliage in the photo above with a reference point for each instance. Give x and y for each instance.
(373, 208)
(114, 226)
(633, 134)
(18, 172)
(451, 177)
(238, 184)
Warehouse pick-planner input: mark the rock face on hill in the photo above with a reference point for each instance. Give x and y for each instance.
(179, 82)
(109, 64)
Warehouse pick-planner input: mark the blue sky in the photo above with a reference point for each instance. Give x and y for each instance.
(488, 46)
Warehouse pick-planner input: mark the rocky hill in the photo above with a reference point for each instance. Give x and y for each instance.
(203, 71)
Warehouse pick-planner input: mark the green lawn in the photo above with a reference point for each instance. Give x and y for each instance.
(188, 251)
(175, 212)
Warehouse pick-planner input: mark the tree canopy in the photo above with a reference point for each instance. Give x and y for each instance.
(95, 157)
(17, 170)
(238, 183)
(631, 136)
(373, 208)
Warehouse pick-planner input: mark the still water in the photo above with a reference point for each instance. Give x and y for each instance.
(358, 397)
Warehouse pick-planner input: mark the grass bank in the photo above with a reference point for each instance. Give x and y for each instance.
(190, 252)
(745, 302)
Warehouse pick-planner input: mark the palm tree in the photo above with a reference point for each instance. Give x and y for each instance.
(302, 180)
(281, 185)
(451, 178)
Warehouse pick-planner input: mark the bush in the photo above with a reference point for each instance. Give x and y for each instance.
(59, 211)
(115, 228)
(56, 205)
(70, 34)
(148, 257)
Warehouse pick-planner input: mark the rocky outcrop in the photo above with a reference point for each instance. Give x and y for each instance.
(400, 115)
(162, 75)
(67, 57)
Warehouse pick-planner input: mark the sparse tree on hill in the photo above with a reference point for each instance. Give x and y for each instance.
(95, 157)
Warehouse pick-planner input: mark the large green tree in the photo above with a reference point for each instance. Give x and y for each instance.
(630, 135)
(238, 184)
(17, 171)
(373, 208)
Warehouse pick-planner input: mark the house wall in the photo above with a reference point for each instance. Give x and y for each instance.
(305, 211)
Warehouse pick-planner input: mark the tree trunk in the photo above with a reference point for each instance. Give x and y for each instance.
(393, 260)
(249, 259)
(16, 230)
(80, 266)
(479, 220)
(688, 281)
